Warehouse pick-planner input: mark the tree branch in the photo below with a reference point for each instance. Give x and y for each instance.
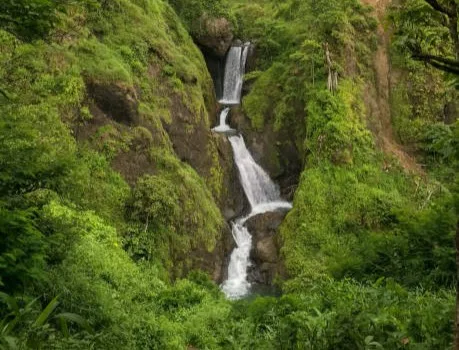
(443, 60)
(440, 8)
(443, 67)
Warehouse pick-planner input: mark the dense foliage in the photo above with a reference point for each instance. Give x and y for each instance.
(194, 12)
(94, 256)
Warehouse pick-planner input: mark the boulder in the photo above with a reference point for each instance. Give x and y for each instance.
(266, 250)
(267, 263)
(215, 36)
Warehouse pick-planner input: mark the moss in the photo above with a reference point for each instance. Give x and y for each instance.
(158, 62)
(176, 211)
(192, 12)
(351, 209)
(216, 178)
(110, 141)
(264, 96)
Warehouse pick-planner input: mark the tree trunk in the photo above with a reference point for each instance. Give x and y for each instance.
(332, 82)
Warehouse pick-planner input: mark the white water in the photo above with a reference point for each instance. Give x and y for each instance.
(257, 185)
(223, 127)
(262, 193)
(237, 286)
(234, 74)
(263, 196)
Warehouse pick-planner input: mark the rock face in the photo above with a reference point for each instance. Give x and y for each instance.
(233, 202)
(190, 137)
(216, 67)
(275, 151)
(215, 36)
(193, 146)
(116, 100)
(216, 262)
(251, 63)
(115, 106)
(265, 248)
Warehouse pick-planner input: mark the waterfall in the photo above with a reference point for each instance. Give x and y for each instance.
(263, 196)
(257, 185)
(223, 127)
(237, 286)
(234, 74)
(262, 193)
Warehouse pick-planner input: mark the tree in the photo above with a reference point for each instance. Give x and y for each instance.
(28, 19)
(449, 14)
(34, 19)
(429, 30)
(22, 250)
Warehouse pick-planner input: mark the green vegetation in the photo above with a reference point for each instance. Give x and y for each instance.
(434, 40)
(101, 223)
(174, 212)
(29, 19)
(358, 215)
(193, 12)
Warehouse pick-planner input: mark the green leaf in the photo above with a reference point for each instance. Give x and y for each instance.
(46, 312)
(11, 341)
(11, 302)
(64, 327)
(67, 316)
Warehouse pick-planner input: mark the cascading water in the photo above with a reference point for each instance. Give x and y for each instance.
(262, 194)
(256, 182)
(234, 74)
(223, 127)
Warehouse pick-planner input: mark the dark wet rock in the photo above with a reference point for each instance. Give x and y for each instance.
(116, 100)
(190, 138)
(267, 263)
(216, 68)
(275, 151)
(250, 65)
(266, 250)
(192, 147)
(233, 201)
(216, 262)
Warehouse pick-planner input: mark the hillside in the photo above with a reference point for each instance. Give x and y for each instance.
(120, 207)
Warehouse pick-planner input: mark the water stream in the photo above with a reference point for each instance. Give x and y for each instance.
(223, 127)
(234, 74)
(262, 193)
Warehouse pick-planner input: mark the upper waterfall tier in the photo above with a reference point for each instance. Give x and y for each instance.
(234, 74)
